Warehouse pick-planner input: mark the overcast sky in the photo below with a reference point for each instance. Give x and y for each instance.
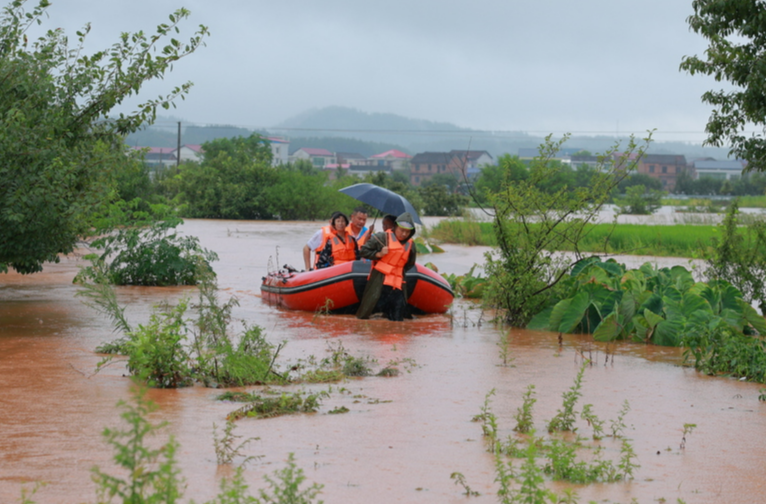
(540, 66)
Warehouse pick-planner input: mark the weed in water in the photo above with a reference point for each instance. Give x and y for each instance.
(228, 446)
(26, 494)
(338, 410)
(618, 425)
(593, 421)
(688, 428)
(523, 415)
(505, 350)
(565, 418)
(234, 491)
(388, 372)
(356, 366)
(322, 376)
(488, 422)
(627, 460)
(151, 475)
(285, 404)
(284, 486)
(460, 481)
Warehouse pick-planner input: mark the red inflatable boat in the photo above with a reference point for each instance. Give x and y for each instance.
(339, 288)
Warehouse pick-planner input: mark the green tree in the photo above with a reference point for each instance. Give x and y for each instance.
(438, 201)
(533, 220)
(736, 32)
(59, 144)
(448, 180)
(639, 200)
(644, 180)
(494, 178)
(230, 182)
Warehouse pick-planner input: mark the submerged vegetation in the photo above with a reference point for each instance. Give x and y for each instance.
(524, 460)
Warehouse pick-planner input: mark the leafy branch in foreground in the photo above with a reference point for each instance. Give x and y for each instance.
(61, 145)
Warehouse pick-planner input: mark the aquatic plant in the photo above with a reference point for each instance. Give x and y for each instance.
(523, 415)
(661, 306)
(688, 428)
(565, 417)
(286, 403)
(285, 486)
(460, 481)
(228, 447)
(151, 474)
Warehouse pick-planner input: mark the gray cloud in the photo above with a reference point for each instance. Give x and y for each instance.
(547, 65)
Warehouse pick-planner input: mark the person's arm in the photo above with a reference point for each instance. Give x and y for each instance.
(307, 257)
(375, 244)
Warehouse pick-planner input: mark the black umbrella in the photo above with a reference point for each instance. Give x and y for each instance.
(381, 198)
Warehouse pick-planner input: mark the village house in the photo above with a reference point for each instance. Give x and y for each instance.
(280, 150)
(158, 156)
(425, 165)
(460, 164)
(466, 165)
(317, 157)
(189, 152)
(665, 167)
(720, 170)
(395, 159)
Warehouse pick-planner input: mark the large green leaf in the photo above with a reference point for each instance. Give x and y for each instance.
(652, 319)
(541, 321)
(594, 274)
(613, 267)
(583, 264)
(754, 318)
(730, 298)
(609, 329)
(672, 293)
(574, 313)
(734, 318)
(558, 312)
(653, 303)
(668, 332)
(640, 328)
(682, 278)
(693, 302)
(627, 305)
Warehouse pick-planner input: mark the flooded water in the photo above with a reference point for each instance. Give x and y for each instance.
(402, 436)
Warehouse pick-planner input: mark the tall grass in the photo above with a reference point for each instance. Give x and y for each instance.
(680, 240)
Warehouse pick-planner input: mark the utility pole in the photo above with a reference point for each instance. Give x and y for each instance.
(178, 149)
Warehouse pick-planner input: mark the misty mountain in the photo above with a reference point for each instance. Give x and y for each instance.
(343, 129)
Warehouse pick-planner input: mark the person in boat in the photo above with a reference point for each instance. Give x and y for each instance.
(357, 227)
(392, 253)
(389, 222)
(331, 245)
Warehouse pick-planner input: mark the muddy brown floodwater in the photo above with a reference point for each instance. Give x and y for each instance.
(402, 437)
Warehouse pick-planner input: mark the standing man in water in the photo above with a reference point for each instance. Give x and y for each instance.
(357, 228)
(392, 253)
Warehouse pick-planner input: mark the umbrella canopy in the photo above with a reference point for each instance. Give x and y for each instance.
(381, 198)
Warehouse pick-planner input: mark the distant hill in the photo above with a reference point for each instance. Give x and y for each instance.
(417, 135)
(343, 129)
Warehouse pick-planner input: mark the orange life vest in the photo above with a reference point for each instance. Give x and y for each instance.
(361, 240)
(392, 264)
(341, 251)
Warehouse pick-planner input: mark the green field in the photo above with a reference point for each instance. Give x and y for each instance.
(680, 240)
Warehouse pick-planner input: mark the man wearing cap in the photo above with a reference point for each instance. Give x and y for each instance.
(392, 253)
